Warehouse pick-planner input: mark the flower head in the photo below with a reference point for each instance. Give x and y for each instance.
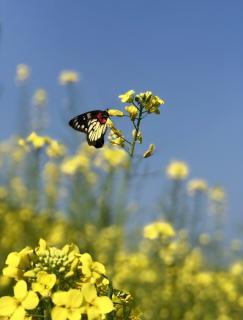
(197, 185)
(37, 141)
(149, 101)
(127, 96)
(217, 194)
(40, 97)
(68, 76)
(177, 170)
(133, 111)
(22, 72)
(159, 229)
(16, 307)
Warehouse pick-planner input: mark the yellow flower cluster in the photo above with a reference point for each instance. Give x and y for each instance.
(68, 76)
(22, 72)
(159, 229)
(197, 185)
(61, 283)
(177, 170)
(40, 97)
(54, 149)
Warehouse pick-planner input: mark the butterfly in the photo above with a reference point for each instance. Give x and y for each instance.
(93, 123)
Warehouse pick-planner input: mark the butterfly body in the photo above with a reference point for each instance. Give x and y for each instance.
(93, 123)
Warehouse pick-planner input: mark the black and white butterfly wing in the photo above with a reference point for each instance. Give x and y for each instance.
(92, 123)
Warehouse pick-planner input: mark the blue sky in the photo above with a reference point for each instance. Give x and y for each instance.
(188, 52)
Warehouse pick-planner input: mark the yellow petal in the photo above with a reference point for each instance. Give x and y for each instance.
(7, 306)
(19, 314)
(12, 272)
(93, 313)
(74, 298)
(59, 298)
(20, 290)
(74, 314)
(13, 259)
(115, 113)
(31, 301)
(89, 292)
(48, 280)
(59, 313)
(104, 304)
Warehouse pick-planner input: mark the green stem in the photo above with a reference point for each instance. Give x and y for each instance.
(137, 125)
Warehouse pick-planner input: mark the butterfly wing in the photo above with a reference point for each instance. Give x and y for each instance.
(89, 123)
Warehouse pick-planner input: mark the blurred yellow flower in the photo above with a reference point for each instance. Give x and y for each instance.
(15, 307)
(40, 97)
(148, 153)
(217, 194)
(22, 72)
(132, 110)
(55, 149)
(115, 113)
(36, 140)
(139, 135)
(196, 185)
(204, 239)
(73, 164)
(158, 229)
(127, 96)
(68, 76)
(236, 269)
(177, 170)
(115, 157)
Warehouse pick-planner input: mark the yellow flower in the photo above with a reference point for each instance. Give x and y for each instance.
(217, 194)
(196, 185)
(17, 263)
(159, 230)
(55, 149)
(40, 97)
(204, 239)
(148, 153)
(127, 96)
(236, 269)
(91, 270)
(95, 307)
(177, 170)
(15, 307)
(77, 163)
(68, 76)
(149, 101)
(115, 157)
(44, 283)
(118, 141)
(22, 72)
(133, 111)
(36, 140)
(115, 113)
(67, 305)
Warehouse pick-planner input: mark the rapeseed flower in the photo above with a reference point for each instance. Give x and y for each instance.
(67, 305)
(127, 96)
(150, 102)
(22, 72)
(196, 185)
(217, 194)
(133, 111)
(159, 229)
(95, 307)
(44, 283)
(115, 113)
(68, 76)
(17, 307)
(177, 170)
(37, 141)
(55, 149)
(40, 97)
